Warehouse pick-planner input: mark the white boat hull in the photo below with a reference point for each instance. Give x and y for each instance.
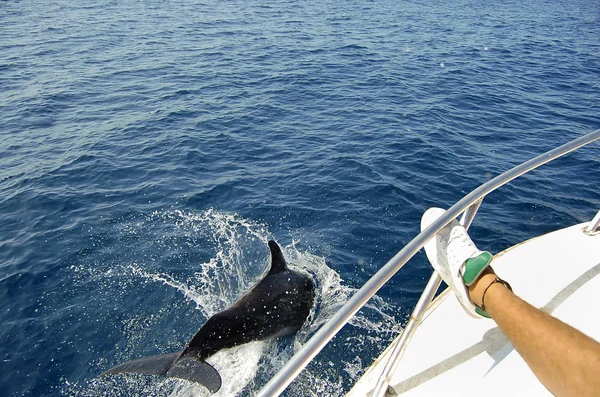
(453, 354)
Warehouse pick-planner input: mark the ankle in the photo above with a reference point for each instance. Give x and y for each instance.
(479, 287)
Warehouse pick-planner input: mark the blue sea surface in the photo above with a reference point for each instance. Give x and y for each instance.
(149, 149)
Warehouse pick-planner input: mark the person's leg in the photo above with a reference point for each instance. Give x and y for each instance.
(566, 361)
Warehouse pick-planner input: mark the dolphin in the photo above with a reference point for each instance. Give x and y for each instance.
(277, 306)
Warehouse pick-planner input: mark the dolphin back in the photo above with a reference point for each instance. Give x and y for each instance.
(174, 366)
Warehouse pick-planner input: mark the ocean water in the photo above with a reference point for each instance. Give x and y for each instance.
(149, 149)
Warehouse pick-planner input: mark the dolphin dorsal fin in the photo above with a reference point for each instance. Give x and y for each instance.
(278, 263)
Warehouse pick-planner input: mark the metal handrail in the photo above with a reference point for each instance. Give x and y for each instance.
(315, 344)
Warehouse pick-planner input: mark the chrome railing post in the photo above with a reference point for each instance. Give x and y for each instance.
(469, 214)
(415, 319)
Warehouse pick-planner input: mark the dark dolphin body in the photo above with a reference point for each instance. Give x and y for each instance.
(277, 306)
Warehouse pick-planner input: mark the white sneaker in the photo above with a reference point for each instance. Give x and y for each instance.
(455, 257)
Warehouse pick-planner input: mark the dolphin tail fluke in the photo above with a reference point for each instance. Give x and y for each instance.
(153, 365)
(197, 371)
(174, 366)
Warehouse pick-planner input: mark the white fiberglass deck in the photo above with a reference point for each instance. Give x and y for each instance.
(453, 354)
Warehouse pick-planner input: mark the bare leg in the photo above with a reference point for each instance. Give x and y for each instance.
(566, 361)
